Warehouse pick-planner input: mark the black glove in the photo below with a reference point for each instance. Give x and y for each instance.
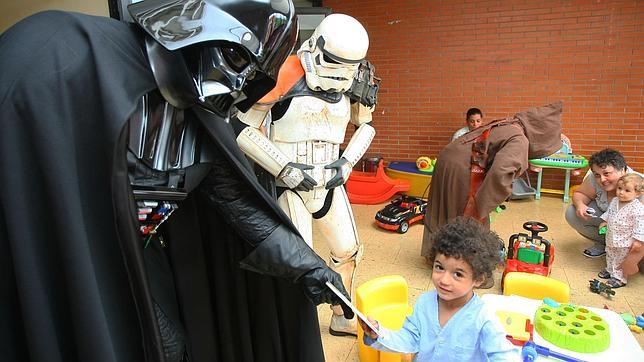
(343, 170)
(294, 171)
(317, 291)
(285, 254)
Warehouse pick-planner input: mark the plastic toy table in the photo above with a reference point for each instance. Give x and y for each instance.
(623, 345)
(563, 161)
(418, 180)
(537, 195)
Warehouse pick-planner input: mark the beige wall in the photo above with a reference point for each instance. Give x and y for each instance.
(14, 10)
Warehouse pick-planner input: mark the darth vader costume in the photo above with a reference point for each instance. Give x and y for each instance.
(83, 275)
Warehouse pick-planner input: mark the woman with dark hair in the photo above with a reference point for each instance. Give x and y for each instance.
(593, 196)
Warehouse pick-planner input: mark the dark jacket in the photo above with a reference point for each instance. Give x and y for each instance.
(76, 283)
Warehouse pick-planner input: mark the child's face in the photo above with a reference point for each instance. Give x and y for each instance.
(626, 191)
(474, 121)
(453, 278)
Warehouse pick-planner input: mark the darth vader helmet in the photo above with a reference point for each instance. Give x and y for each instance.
(216, 52)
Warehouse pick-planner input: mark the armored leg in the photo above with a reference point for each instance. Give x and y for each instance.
(294, 207)
(339, 228)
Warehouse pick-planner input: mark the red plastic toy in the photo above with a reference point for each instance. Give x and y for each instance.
(530, 253)
(367, 188)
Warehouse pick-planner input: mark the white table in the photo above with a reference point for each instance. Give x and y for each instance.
(623, 345)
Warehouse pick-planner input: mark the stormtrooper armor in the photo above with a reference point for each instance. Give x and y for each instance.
(301, 145)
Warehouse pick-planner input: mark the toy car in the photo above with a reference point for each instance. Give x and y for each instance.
(529, 253)
(400, 213)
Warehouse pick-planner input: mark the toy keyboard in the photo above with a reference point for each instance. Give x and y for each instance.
(561, 160)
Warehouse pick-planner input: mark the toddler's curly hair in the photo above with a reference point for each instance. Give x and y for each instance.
(467, 239)
(633, 179)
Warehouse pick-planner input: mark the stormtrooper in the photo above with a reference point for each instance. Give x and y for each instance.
(122, 130)
(319, 91)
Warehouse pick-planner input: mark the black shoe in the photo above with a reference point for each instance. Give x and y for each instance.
(604, 274)
(595, 252)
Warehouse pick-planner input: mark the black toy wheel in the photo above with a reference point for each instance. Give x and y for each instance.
(404, 226)
(535, 227)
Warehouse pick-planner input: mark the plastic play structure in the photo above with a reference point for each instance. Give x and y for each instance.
(406, 170)
(368, 189)
(536, 286)
(385, 299)
(529, 253)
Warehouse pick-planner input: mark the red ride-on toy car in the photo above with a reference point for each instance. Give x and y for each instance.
(529, 253)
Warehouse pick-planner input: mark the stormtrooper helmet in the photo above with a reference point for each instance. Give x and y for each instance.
(331, 56)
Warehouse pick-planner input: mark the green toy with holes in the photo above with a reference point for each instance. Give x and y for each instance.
(572, 327)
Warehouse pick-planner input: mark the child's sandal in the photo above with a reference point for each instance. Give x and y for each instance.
(604, 274)
(615, 283)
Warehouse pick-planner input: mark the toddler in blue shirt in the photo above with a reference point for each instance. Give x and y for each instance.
(451, 323)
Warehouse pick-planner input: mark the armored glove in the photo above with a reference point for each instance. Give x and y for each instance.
(285, 254)
(295, 178)
(343, 170)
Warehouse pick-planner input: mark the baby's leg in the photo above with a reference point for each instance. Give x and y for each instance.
(630, 264)
(614, 258)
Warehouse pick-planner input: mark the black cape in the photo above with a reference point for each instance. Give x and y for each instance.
(73, 285)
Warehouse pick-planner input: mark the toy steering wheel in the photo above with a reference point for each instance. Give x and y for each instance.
(535, 227)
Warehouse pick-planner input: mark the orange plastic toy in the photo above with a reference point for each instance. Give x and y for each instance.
(368, 189)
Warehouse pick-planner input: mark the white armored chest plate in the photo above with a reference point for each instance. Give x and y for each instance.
(312, 119)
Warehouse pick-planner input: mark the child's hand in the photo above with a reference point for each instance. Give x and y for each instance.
(635, 254)
(601, 229)
(368, 331)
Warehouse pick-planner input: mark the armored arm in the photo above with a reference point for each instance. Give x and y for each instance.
(360, 141)
(254, 143)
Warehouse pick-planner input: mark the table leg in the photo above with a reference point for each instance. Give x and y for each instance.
(566, 186)
(537, 196)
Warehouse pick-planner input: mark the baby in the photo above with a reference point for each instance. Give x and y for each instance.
(451, 323)
(624, 219)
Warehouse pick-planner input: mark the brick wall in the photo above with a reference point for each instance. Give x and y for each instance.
(439, 58)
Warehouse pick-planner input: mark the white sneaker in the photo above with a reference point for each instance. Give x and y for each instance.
(341, 326)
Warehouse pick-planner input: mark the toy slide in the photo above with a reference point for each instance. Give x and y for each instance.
(368, 189)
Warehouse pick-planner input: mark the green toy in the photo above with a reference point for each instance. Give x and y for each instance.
(573, 328)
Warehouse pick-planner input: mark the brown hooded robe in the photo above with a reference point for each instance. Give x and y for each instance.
(533, 133)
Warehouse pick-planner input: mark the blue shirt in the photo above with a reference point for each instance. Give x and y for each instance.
(472, 334)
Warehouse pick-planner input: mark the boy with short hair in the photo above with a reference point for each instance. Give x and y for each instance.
(451, 323)
(473, 119)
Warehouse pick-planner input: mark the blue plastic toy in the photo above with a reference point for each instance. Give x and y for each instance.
(531, 350)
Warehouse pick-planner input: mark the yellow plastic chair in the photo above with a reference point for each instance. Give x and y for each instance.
(536, 286)
(385, 299)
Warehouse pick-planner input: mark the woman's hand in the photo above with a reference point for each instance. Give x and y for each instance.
(368, 331)
(581, 211)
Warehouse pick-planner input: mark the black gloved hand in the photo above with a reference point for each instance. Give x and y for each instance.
(343, 170)
(285, 254)
(294, 172)
(315, 288)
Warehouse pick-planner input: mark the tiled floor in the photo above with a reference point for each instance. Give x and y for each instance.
(392, 253)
